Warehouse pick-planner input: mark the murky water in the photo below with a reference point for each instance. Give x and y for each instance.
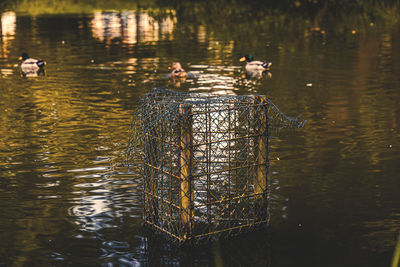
(67, 199)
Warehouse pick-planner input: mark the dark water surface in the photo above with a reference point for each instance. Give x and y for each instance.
(67, 199)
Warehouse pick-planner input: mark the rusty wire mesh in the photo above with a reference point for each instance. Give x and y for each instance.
(204, 162)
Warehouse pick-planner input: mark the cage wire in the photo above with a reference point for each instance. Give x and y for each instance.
(204, 162)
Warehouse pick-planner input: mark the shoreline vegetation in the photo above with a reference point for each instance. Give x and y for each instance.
(53, 7)
(315, 9)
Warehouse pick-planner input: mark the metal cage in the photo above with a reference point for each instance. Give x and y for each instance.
(205, 164)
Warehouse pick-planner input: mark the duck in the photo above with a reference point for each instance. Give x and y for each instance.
(31, 65)
(177, 71)
(255, 68)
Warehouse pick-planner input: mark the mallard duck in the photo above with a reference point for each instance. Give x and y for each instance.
(31, 65)
(177, 71)
(255, 67)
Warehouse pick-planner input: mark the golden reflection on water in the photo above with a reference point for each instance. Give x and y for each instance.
(8, 26)
(131, 26)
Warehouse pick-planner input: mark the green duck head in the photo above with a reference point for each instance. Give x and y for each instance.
(247, 58)
(24, 56)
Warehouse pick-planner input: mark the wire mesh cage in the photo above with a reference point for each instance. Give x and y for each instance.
(204, 162)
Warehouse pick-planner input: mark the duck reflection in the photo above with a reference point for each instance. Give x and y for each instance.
(31, 73)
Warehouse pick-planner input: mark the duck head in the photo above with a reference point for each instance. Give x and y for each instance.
(247, 58)
(177, 70)
(175, 65)
(24, 56)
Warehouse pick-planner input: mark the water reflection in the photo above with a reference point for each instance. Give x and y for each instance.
(221, 80)
(8, 26)
(128, 20)
(131, 27)
(106, 26)
(28, 73)
(91, 212)
(98, 203)
(237, 251)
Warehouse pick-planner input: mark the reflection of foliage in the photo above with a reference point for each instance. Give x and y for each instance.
(336, 16)
(317, 13)
(313, 11)
(4, 4)
(36, 7)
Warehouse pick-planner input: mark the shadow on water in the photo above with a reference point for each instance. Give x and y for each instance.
(252, 249)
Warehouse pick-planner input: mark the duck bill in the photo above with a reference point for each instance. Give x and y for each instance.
(20, 58)
(242, 59)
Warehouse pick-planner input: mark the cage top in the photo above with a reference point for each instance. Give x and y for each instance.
(166, 95)
(169, 102)
(163, 105)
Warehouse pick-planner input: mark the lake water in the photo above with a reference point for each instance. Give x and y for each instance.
(67, 199)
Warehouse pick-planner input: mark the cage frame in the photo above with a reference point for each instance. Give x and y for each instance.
(185, 219)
